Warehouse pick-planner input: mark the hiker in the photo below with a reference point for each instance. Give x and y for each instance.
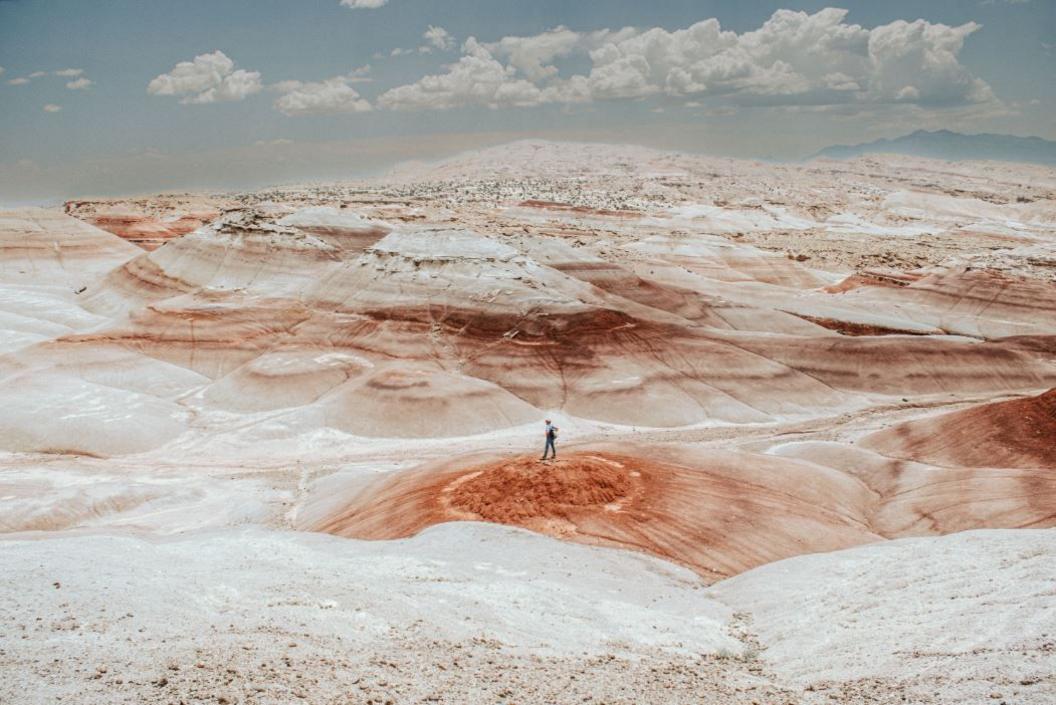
(551, 436)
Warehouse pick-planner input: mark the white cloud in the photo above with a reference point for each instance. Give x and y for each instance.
(923, 57)
(438, 38)
(208, 78)
(360, 74)
(38, 74)
(476, 79)
(52, 108)
(1, 70)
(334, 95)
(79, 84)
(534, 55)
(794, 58)
(69, 73)
(364, 4)
(18, 81)
(792, 54)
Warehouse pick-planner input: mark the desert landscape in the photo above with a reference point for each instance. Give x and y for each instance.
(282, 445)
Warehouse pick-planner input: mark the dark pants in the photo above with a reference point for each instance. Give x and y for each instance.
(549, 447)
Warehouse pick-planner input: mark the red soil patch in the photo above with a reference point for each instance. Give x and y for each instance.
(522, 490)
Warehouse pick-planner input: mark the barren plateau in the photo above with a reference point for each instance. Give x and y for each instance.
(282, 445)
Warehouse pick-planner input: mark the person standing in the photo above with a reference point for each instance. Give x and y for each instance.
(551, 436)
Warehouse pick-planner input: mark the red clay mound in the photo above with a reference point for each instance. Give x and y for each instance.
(1020, 433)
(523, 491)
(719, 513)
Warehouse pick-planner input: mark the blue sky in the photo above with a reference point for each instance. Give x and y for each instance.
(281, 89)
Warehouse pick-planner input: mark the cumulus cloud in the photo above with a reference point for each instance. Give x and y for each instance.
(534, 56)
(438, 38)
(52, 108)
(794, 58)
(38, 74)
(364, 4)
(917, 61)
(208, 78)
(69, 73)
(476, 79)
(334, 95)
(79, 84)
(18, 81)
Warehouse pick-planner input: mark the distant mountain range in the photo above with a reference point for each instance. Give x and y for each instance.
(943, 144)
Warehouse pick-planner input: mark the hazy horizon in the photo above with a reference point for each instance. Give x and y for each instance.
(134, 97)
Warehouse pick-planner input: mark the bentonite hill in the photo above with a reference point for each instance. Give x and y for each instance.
(282, 446)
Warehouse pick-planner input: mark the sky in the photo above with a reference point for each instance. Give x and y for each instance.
(107, 97)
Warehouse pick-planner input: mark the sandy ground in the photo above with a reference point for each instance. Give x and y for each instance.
(179, 420)
(470, 612)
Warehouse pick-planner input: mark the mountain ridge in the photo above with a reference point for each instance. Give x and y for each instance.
(952, 146)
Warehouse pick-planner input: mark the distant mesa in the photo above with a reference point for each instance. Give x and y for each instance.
(953, 146)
